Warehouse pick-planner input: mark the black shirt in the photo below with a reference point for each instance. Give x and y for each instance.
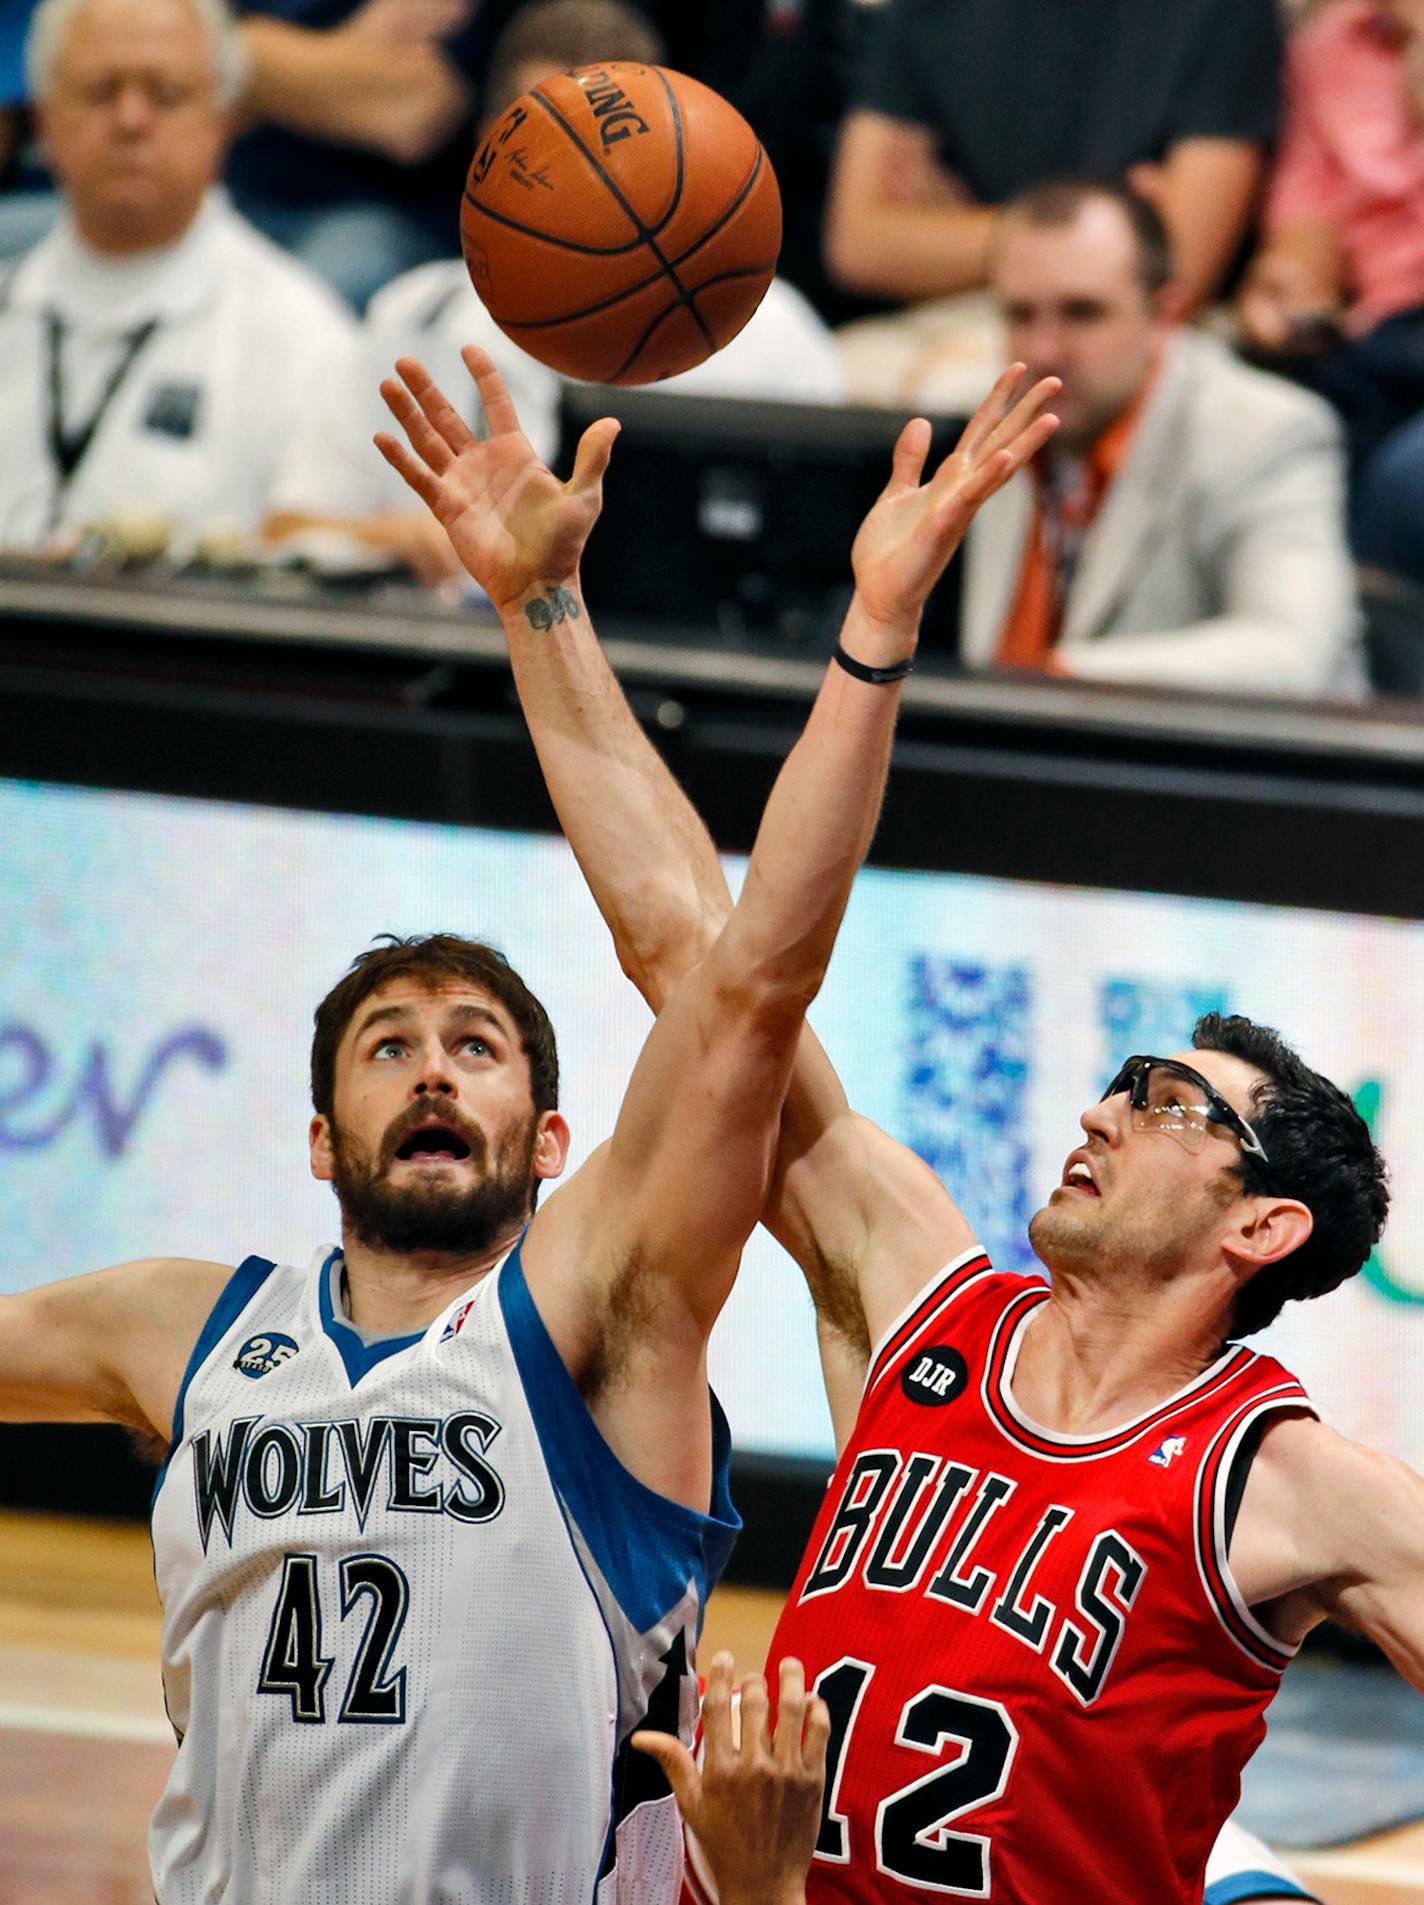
(1022, 91)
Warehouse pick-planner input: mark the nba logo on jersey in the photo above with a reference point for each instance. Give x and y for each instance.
(457, 1321)
(260, 1355)
(1167, 1452)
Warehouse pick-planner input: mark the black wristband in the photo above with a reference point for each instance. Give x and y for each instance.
(862, 671)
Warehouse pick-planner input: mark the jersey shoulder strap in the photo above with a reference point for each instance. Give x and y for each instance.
(1220, 1484)
(917, 1321)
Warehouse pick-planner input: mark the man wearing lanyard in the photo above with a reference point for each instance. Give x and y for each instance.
(1186, 528)
(155, 349)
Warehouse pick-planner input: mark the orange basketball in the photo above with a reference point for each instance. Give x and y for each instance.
(621, 223)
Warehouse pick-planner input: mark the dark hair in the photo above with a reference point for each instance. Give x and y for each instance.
(433, 959)
(567, 34)
(1061, 200)
(1319, 1150)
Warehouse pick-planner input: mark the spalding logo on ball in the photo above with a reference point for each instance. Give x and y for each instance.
(621, 223)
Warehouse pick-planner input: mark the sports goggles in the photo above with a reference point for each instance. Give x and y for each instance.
(1167, 1096)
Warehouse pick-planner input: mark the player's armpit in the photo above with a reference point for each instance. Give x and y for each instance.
(867, 1219)
(108, 1347)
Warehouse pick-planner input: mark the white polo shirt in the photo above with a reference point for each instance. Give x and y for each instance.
(164, 384)
(784, 351)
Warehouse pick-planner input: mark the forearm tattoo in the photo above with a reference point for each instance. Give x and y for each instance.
(545, 611)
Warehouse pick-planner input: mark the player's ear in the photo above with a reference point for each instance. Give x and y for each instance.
(551, 1146)
(319, 1141)
(1266, 1230)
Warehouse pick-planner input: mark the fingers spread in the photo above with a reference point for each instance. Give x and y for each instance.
(441, 413)
(989, 414)
(415, 473)
(425, 440)
(1021, 435)
(498, 405)
(1024, 413)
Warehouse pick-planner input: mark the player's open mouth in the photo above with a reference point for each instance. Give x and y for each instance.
(433, 1144)
(1079, 1177)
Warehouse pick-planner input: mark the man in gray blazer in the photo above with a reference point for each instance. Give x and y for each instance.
(1187, 526)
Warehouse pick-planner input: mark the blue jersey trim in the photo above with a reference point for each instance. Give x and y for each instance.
(237, 1293)
(647, 1546)
(358, 1358)
(1242, 1885)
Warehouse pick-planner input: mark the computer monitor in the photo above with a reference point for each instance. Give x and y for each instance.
(735, 516)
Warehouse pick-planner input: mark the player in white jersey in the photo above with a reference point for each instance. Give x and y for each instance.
(442, 1508)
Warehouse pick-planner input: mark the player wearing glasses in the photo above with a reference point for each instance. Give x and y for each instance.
(1076, 1529)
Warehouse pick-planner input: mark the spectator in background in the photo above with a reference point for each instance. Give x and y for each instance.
(1335, 296)
(332, 479)
(365, 110)
(1186, 527)
(965, 103)
(153, 347)
(792, 79)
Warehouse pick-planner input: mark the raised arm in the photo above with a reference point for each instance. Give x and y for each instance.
(768, 962)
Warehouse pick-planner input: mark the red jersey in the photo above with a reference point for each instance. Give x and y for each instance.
(1043, 1681)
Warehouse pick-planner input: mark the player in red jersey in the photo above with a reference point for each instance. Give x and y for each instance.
(1075, 1533)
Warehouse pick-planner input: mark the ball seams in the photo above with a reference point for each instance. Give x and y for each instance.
(648, 234)
(762, 268)
(722, 277)
(617, 297)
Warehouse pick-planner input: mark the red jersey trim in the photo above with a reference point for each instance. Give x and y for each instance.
(1016, 1428)
(922, 1310)
(1209, 1522)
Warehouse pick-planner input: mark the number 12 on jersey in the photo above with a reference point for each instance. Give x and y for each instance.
(913, 1840)
(293, 1663)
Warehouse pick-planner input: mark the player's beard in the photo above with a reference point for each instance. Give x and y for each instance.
(445, 1215)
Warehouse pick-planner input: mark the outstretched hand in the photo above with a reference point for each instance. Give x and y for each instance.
(905, 543)
(510, 520)
(755, 1802)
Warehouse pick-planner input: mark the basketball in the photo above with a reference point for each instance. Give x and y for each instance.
(621, 223)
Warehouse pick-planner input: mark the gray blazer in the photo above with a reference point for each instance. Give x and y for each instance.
(1218, 559)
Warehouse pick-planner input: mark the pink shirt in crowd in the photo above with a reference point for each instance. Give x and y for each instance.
(1352, 152)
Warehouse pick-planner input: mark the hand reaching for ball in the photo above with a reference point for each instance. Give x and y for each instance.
(512, 523)
(905, 543)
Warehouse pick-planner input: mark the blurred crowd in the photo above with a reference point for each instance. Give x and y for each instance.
(219, 228)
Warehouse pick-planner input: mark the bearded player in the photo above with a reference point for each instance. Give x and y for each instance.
(442, 1508)
(1076, 1532)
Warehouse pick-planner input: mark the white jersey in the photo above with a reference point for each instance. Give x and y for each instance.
(413, 1607)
